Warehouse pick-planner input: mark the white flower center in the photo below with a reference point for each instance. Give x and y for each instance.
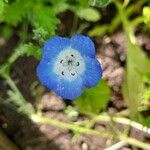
(69, 64)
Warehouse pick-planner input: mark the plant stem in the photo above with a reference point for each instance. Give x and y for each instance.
(70, 126)
(120, 120)
(14, 88)
(75, 24)
(5, 143)
(135, 142)
(76, 128)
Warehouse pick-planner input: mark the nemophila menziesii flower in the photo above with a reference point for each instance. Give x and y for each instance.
(69, 65)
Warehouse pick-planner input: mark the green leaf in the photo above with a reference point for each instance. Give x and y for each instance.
(44, 17)
(40, 34)
(2, 4)
(95, 99)
(7, 31)
(146, 121)
(89, 14)
(59, 6)
(146, 14)
(14, 13)
(32, 50)
(98, 30)
(137, 66)
(99, 3)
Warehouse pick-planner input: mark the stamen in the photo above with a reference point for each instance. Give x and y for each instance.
(70, 62)
(72, 74)
(61, 61)
(78, 63)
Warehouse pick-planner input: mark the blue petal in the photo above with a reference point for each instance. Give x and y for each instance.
(54, 46)
(46, 75)
(84, 45)
(65, 89)
(70, 89)
(93, 72)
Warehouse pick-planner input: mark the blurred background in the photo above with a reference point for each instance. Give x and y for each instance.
(114, 115)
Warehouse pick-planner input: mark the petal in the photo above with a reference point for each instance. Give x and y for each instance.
(84, 45)
(93, 72)
(70, 89)
(65, 89)
(46, 75)
(54, 46)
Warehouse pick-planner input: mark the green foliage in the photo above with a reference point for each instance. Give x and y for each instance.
(14, 13)
(93, 100)
(146, 14)
(89, 14)
(15, 99)
(137, 66)
(7, 31)
(134, 76)
(71, 112)
(32, 50)
(60, 6)
(41, 16)
(99, 3)
(45, 19)
(2, 3)
(98, 30)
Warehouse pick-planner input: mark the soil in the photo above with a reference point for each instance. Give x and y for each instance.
(111, 51)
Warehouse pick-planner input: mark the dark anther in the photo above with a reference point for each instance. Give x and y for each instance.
(62, 73)
(72, 55)
(70, 62)
(78, 63)
(61, 61)
(72, 74)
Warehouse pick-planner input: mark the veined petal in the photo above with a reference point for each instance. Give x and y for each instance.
(93, 72)
(84, 45)
(54, 46)
(70, 89)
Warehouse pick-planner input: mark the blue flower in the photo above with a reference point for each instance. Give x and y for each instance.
(69, 65)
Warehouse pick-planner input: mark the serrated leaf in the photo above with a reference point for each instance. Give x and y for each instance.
(89, 14)
(99, 3)
(44, 17)
(95, 99)
(32, 50)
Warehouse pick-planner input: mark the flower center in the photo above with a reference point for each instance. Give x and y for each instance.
(69, 64)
